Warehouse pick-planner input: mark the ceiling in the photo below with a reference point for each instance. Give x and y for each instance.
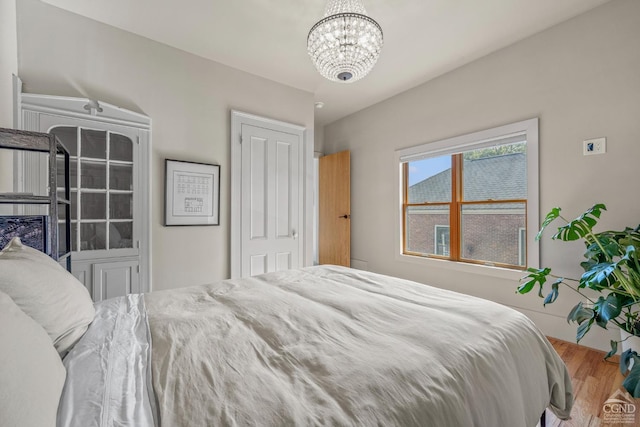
(422, 38)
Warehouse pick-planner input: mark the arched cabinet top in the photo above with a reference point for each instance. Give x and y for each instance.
(84, 108)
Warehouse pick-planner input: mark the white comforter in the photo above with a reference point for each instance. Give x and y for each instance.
(333, 346)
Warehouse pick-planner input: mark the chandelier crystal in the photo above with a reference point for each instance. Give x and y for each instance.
(345, 44)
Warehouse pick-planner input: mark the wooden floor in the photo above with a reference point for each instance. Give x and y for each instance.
(594, 380)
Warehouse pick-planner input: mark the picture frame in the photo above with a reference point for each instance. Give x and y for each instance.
(192, 193)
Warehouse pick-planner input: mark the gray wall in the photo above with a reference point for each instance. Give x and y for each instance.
(188, 98)
(581, 78)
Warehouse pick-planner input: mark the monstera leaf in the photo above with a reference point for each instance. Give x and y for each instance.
(581, 226)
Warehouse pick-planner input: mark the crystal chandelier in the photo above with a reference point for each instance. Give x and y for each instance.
(345, 44)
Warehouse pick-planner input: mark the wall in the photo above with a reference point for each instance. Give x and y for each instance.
(8, 67)
(188, 98)
(581, 79)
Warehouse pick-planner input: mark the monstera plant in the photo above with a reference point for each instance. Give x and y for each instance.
(611, 268)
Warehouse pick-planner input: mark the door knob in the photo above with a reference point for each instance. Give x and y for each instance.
(294, 234)
(345, 216)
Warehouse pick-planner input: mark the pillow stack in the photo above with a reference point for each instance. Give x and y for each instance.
(44, 311)
(47, 293)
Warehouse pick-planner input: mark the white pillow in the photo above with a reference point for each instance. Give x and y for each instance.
(31, 372)
(46, 292)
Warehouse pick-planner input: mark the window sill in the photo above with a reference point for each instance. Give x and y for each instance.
(463, 267)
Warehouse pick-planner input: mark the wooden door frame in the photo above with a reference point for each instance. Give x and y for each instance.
(238, 118)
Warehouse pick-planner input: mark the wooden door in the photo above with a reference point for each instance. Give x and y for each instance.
(270, 201)
(334, 224)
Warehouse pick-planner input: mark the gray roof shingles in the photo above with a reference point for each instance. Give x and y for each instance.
(498, 177)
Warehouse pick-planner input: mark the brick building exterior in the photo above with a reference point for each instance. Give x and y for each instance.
(493, 232)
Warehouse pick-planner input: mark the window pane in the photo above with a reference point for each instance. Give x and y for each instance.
(492, 232)
(430, 180)
(121, 177)
(93, 236)
(120, 235)
(93, 206)
(121, 206)
(121, 148)
(68, 136)
(93, 144)
(495, 173)
(93, 175)
(428, 230)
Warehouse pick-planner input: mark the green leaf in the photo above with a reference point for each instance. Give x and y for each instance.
(625, 359)
(534, 276)
(611, 248)
(581, 226)
(607, 308)
(632, 382)
(551, 216)
(588, 265)
(630, 254)
(553, 295)
(583, 329)
(614, 349)
(580, 314)
(600, 276)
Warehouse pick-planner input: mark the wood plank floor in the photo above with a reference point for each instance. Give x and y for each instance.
(594, 380)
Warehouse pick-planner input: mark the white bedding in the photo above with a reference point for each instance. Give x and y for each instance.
(108, 371)
(333, 346)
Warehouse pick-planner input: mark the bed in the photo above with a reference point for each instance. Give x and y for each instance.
(322, 345)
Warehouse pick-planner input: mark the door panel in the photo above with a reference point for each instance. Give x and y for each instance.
(334, 224)
(114, 279)
(270, 200)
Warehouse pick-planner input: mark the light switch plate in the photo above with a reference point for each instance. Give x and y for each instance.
(594, 146)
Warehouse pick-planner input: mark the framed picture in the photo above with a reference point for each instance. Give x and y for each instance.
(192, 193)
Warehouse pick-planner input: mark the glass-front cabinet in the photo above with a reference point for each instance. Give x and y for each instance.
(109, 155)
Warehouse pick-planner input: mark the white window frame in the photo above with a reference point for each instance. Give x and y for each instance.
(435, 239)
(522, 238)
(527, 129)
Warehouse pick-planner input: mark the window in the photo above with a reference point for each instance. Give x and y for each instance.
(472, 198)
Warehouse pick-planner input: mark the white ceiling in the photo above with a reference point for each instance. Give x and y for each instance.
(422, 38)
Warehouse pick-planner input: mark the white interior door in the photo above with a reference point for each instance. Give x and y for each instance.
(270, 201)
